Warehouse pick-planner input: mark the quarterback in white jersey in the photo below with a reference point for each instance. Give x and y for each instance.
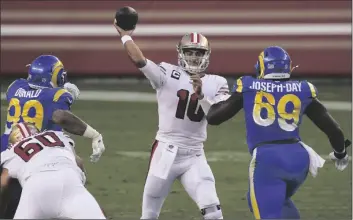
(184, 94)
(50, 173)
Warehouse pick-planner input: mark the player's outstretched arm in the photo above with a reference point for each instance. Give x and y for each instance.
(74, 125)
(225, 110)
(152, 71)
(319, 115)
(70, 122)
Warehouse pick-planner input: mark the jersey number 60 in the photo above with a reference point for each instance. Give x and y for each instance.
(26, 149)
(283, 116)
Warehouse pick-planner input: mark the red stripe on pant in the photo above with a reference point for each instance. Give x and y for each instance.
(154, 147)
(105, 215)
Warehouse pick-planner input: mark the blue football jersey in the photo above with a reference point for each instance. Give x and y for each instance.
(35, 105)
(273, 109)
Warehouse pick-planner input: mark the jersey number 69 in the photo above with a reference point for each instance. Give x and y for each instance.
(287, 121)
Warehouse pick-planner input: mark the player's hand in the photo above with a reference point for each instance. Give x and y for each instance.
(98, 148)
(197, 85)
(73, 90)
(341, 160)
(121, 31)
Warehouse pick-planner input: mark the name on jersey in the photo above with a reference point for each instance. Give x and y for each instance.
(272, 87)
(21, 93)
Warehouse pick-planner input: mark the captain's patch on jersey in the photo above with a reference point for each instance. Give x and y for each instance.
(175, 74)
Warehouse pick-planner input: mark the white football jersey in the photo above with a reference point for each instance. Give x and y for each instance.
(182, 120)
(46, 151)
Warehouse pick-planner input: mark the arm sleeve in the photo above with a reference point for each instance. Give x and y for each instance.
(319, 115)
(8, 88)
(156, 74)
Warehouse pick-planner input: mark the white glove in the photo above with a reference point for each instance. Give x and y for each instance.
(340, 164)
(98, 148)
(73, 90)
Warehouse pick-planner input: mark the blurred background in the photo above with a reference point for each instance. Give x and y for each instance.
(118, 101)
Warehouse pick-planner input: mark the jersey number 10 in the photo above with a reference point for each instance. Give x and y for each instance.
(283, 117)
(191, 108)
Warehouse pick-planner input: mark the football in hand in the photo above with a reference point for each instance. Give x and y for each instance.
(126, 18)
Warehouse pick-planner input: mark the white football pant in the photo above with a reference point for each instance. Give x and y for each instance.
(191, 168)
(57, 194)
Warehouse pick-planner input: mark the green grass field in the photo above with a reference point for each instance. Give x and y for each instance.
(117, 180)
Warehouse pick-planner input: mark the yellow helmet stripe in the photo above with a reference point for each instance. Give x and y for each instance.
(262, 65)
(56, 69)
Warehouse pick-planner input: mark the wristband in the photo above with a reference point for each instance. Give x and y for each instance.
(90, 132)
(340, 155)
(125, 38)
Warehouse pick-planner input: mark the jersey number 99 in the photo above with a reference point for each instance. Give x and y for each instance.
(282, 115)
(23, 113)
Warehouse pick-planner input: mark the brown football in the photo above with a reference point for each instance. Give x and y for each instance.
(126, 18)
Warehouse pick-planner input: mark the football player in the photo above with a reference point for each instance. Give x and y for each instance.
(177, 152)
(34, 99)
(44, 99)
(50, 173)
(273, 108)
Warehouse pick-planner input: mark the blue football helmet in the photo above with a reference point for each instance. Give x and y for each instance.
(273, 63)
(46, 71)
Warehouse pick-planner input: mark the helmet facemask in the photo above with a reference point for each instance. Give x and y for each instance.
(193, 60)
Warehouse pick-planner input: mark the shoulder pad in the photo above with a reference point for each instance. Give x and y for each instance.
(242, 84)
(64, 136)
(217, 78)
(15, 83)
(6, 156)
(169, 69)
(11, 85)
(311, 90)
(221, 79)
(61, 95)
(222, 83)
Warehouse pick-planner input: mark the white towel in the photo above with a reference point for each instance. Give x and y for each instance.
(316, 161)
